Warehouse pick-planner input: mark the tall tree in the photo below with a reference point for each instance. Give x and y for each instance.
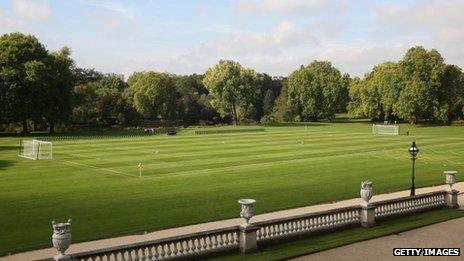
(21, 57)
(269, 89)
(84, 109)
(282, 110)
(154, 95)
(315, 90)
(344, 96)
(268, 102)
(420, 86)
(423, 71)
(376, 95)
(450, 94)
(355, 104)
(231, 87)
(194, 105)
(99, 99)
(58, 90)
(84, 75)
(111, 102)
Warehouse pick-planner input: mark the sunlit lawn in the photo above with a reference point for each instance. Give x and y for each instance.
(192, 178)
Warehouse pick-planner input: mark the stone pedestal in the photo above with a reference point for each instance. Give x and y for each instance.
(367, 215)
(451, 198)
(248, 238)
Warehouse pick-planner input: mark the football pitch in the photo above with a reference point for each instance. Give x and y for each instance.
(190, 178)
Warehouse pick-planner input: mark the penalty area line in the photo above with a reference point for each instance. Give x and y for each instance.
(114, 172)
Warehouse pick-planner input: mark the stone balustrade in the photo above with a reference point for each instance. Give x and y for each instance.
(411, 204)
(250, 235)
(184, 246)
(308, 223)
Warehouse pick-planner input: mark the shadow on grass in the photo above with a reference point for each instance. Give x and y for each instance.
(5, 164)
(286, 124)
(348, 120)
(9, 147)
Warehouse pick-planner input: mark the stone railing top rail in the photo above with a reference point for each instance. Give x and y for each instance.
(423, 195)
(307, 215)
(156, 241)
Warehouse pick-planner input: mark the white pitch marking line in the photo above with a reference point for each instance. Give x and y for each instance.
(97, 168)
(79, 156)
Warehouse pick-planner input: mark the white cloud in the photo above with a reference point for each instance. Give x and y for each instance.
(273, 51)
(288, 6)
(113, 15)
(359, 58)
(354, 37)
(283, 48)
(285, 35)
(435, 24)
(114, 7)
(31, 9)
(431, 14)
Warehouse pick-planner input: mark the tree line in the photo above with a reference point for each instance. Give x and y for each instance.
(421, 86)
(43, 88)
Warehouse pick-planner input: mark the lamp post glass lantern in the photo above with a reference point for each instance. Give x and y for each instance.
(413, 150)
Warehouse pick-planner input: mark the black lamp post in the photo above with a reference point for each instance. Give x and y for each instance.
(414, 150)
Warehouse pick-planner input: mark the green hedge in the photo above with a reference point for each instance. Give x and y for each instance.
(220, 131)
(93, 135)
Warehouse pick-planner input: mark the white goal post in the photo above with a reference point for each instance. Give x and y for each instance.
(35, 149)
(385, 129)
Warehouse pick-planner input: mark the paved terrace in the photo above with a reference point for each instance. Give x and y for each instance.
(111, 242)
(449, 234)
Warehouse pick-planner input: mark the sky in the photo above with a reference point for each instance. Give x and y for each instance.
(271, 36)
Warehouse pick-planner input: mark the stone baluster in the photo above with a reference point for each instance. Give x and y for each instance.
(201, 244)
(185, 247)
(306, 224)
(162, 253)
(150, 253)
(279, 228)
(209, 245)
(262, 232)
(215, 241)
(231, 238)
(271, 231)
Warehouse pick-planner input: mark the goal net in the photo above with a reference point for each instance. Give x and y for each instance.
(35, 149)
(385, 129)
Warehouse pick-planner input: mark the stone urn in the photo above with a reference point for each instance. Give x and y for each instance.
(247, 209)
(61, 239)
(366, 191)
(450, 176)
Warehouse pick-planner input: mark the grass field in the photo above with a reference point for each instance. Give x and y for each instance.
(192, 178)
